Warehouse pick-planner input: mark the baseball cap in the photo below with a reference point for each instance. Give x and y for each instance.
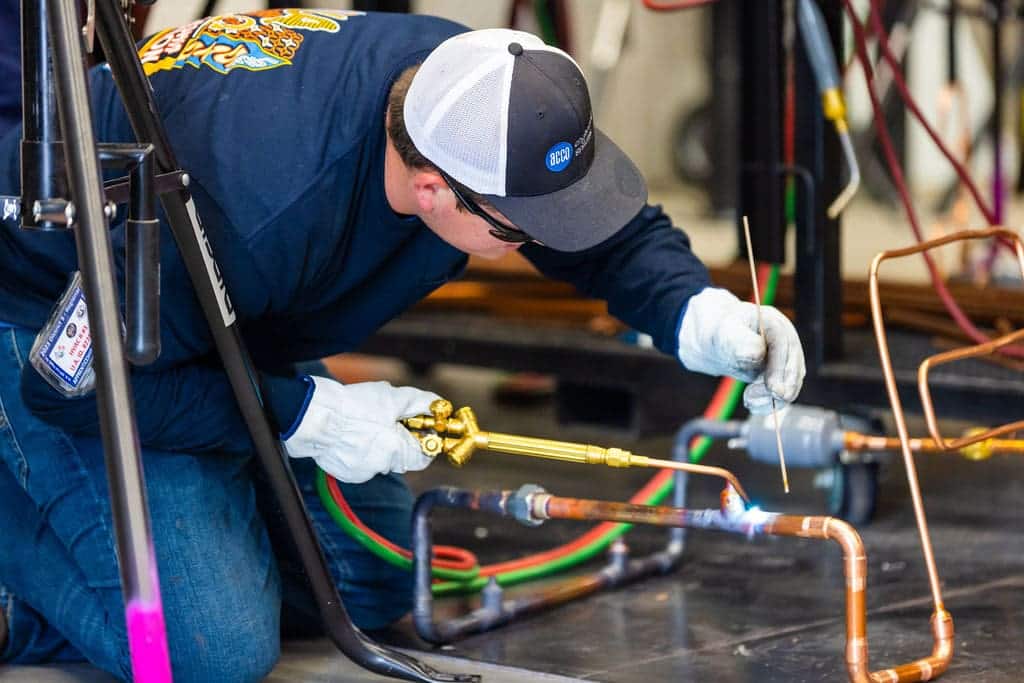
(509, 117)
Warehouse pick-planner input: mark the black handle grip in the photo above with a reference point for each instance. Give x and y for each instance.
(142, 291)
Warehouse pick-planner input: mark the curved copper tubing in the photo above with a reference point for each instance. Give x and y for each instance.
(955, 355)
(693, 468)
(894, 397)
(856, 570)
(566, 451)
(546, 506)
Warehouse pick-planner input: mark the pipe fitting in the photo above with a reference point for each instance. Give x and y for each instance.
(56, 211)
(520, 505)
(618, 556)
(492, 595)
(811, 437)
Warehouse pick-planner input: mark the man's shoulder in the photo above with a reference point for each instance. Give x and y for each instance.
(279, 43)
(426, 25)
(407, 34)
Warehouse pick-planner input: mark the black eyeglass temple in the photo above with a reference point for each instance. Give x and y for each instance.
(499, 230)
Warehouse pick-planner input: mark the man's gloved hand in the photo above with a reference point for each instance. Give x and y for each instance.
(719, 336)
(352, 430)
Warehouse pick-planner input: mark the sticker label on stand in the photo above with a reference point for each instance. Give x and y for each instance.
(62, 352)
(68, 350)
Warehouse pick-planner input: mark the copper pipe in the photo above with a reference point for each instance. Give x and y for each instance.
(856, 568)
(950, 343)
(855, 441)
(586, 454)
(960, 354)
(482, 288)
(750, 522)
(894, 397)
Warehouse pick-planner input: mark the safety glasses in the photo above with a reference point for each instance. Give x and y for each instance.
(498, 229)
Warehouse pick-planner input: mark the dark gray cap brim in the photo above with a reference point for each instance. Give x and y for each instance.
(587, 212)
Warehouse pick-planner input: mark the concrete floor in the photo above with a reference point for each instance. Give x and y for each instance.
(766, 610)
(309, 662)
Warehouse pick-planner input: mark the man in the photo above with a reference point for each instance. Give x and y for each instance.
(10, 65)
(344, 165)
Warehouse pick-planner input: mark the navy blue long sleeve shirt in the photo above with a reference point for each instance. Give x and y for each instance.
(278, 117)
(10, 65)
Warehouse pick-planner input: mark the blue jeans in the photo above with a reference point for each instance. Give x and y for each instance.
(225, 591)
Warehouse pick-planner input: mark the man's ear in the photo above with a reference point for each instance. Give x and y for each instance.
(430, 190)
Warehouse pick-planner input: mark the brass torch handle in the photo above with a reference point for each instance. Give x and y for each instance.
(512, 444)
(458, 435)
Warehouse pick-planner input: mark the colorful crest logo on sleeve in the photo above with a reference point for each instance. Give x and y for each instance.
(255, 41)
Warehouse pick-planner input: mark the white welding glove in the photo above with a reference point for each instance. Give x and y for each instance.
(352, 430)
(719, 336)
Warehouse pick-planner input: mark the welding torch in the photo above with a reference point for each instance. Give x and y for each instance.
(458, 436)
(818, 46)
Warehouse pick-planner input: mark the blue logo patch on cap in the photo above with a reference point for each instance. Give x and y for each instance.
(558, 157)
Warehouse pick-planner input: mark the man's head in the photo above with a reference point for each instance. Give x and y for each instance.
(505, 122)
(456, 213)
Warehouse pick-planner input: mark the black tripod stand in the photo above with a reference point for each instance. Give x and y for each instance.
(52, 26)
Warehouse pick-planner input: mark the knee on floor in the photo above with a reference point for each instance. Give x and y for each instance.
(240, 651)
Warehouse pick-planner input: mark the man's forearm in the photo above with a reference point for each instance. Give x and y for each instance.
(187, 408)
(646, 273)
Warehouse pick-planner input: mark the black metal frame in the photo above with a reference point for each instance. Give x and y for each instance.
(190, 237)
(142, 247)
(42, 183)
(762, 188)
(55, 79)
(42, 172)
(818, 273)
(998, 10)
(725, 105)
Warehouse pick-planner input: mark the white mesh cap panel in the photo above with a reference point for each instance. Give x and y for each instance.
(478, 158)
(456, 110)
(464, 134)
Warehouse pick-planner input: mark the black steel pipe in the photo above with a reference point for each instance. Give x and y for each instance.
(818, 274)
(495, 612)
(702, 426)
(95, 257)
(43, 175)
(951, 42)
(806, 182)
(698, 426)
(137, 563)
(423, 550)
(620, 571)
(762, 189)
(998, 81)
(190, 236)
(118, 189)
(142, 252)
(142, 291)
